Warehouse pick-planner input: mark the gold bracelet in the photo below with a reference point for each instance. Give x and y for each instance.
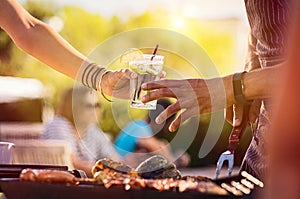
(99, 86)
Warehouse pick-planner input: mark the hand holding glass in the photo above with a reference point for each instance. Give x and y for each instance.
(148, 69)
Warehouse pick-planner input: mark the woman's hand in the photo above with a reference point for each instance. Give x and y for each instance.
(116, 83)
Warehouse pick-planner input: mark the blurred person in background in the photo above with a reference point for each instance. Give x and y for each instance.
(140, 136)
(75, 121)
(42, 42)
(269, 22)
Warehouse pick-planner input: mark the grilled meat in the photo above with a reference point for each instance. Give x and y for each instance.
(158, 167)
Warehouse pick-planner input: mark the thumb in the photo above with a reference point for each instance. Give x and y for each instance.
(238, 114)
(229, 115)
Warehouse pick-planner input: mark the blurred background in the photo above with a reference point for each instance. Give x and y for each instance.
(218, 26)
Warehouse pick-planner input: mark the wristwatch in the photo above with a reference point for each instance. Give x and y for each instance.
(238, 88)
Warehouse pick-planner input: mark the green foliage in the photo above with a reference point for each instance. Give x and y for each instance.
(41, 9)
(4, 39)
(83, 30)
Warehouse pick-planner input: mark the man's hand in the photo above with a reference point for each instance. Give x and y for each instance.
(194, 97)
(234, 113)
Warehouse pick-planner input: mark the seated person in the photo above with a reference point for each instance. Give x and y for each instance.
(138, 136)
(76, 122)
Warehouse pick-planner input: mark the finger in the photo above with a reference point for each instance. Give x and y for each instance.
(175, 124)
(254, 110)
(168, 112)
(163, 74)
(229, 115)
(160, 84)
(157, 94)
(238, 114)
(119, 78)
(126, 73)
(180, 119)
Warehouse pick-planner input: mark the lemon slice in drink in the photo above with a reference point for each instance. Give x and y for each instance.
(130, 55)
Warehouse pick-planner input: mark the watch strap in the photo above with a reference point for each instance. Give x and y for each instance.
(238, 88)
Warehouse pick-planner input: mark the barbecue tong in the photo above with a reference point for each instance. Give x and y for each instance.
(234, 140)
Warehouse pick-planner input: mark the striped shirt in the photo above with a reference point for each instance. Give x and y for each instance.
(92, 146)
(268, 20)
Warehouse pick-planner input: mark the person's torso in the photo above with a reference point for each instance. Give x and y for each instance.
(269, 20)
